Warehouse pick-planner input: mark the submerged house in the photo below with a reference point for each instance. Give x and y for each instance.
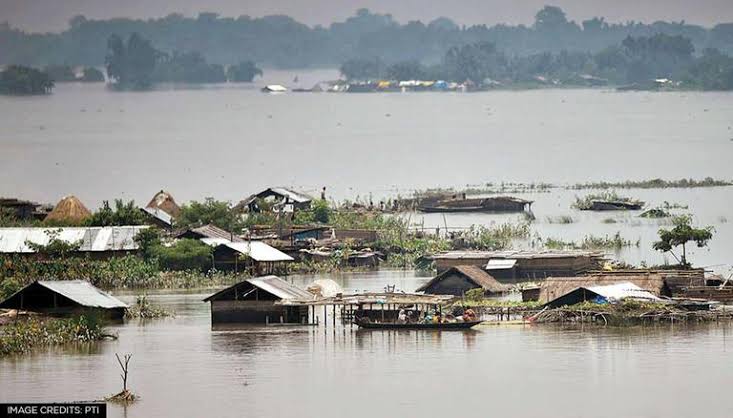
(556, 287)
(513, 266)
(95, 241)
(257, 300)
(458, 280)
(603, 294)
(65, 297)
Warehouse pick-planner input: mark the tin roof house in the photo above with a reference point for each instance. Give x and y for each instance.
(65, 297)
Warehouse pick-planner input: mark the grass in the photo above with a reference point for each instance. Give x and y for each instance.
(592, 242)
(654, 184)
(23, 336)
(145, 310)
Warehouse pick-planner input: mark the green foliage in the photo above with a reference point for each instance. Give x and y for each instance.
(655, 184)
(496, 237)
(148, 241)
(130, 65)
(20, 337)
(184, 254)
(245, 71)
(592, 242)
(145, 310)
(60, 73)
(8, 287)
(475, 295)
(19, 80)
(187, 67)
(56, 247)
(92, 75)
(210, 211)
(681, 234)
(123, 214)
(320, 212)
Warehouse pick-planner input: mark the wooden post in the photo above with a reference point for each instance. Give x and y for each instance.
(325, 315)
(382, 313)
(334, 315)
(267, 320)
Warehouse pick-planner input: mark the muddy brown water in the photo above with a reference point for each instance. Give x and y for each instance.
(181, 368)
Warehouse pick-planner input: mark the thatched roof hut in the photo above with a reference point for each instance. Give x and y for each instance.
(165, 202)
(554, 287)
(69, 209)
(460, 279)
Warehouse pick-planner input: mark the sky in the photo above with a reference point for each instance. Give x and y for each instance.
(53, 15)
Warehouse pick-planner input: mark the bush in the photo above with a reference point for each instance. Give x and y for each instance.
(184, 254)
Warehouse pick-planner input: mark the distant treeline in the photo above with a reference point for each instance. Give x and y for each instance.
(281, 41)
(636, 61)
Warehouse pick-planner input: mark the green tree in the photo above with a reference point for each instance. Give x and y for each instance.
(245, 71)
(210, 211)
(680, 235)
(131, 65)
(92, 75)
(148, 241)
(20, 80)
(184, 254)
(122, 214)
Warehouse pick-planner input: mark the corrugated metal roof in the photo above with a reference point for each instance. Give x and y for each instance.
(258, 251)
(83, 293)
(501, 264)
(213, 231)
(625, 290)
(160, 215)
(279, 287)
(270, 284)
(291, 194)
(97, 238)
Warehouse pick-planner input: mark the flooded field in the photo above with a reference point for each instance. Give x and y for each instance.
(180, 367)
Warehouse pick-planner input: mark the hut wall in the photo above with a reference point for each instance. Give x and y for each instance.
(254, 312)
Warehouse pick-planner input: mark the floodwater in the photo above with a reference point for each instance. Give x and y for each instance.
(228, 141)
(180, 367)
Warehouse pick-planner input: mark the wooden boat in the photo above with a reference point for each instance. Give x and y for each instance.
(446, 326)
(486, 204)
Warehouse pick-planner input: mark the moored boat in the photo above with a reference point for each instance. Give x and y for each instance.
(447, 326)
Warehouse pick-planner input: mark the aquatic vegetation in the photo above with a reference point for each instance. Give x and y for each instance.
(145, 310)
(592, 242)
(609, 221)
(564, 219)
(586, 202)
(22, 336)
(654, 184)
(655, 213)
(495, 237)
(668, 205)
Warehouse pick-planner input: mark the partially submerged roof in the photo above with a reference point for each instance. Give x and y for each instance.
(79, 291)
(282, 192)
(396, 298)
(554, 287)
(325, 288)
(271, 284)
(501, 264)
(604, 293)
(69, 208)
(258, 251)
(475, 274)
(94, 238)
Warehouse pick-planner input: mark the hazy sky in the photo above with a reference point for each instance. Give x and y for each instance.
(53, 15)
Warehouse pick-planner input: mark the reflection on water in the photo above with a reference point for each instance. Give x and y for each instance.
(181, 367)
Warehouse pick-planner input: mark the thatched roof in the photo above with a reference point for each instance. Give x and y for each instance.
(165, 202)
(69, 209)
(474, 274)
(554, 287)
